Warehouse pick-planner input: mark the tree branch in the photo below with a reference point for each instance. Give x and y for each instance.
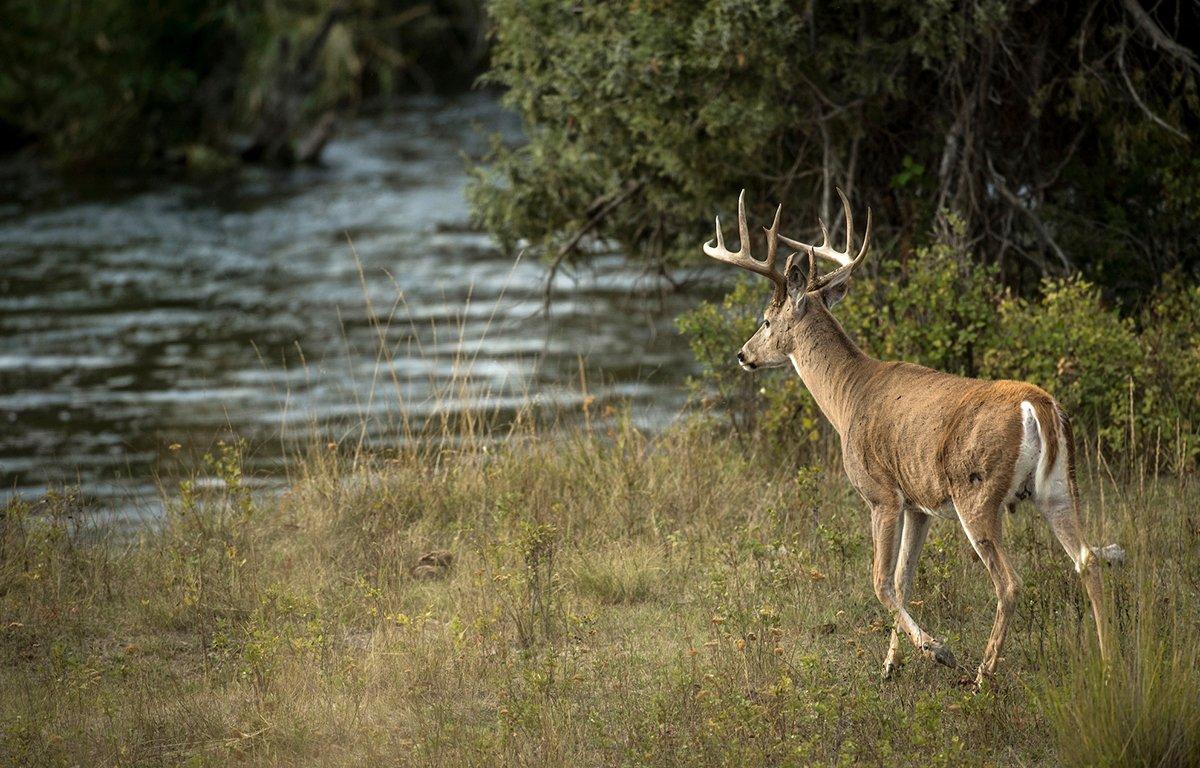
(1138, 100)
(573, 242)
(1016, 202)
(1160, 38)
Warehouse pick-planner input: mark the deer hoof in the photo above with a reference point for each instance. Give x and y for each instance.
(939, 653)
(982, 679)
(890, 668)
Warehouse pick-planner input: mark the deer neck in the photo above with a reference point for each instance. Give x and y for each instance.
(831, 366)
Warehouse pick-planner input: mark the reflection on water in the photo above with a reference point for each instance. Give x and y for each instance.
(131, 321)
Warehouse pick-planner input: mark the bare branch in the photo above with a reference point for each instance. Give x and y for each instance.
(1159, 37)
(1016, 202)
(568, 247)
(1138, 100)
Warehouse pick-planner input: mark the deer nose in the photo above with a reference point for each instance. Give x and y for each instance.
(741, 356)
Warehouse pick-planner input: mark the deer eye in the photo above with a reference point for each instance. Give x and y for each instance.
(766, 323)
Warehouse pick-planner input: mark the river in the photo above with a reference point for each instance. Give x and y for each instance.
(142, 321)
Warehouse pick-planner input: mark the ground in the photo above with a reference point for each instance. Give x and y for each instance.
(578, 598)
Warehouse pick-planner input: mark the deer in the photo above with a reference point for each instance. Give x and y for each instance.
(918, 444)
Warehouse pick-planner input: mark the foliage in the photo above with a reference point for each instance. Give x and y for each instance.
(120, 81)
(935, 308)
(107, 76)
(1071, 344)
(1170, 337)
(1056, 132)
(773, 403)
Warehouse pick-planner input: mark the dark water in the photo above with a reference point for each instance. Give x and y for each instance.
(184, 313)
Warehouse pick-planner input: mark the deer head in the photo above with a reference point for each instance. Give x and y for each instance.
(794, 292)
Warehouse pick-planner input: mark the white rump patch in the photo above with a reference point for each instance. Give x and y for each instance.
(1028, 457)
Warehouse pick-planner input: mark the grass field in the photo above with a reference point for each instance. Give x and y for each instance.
(580, 598)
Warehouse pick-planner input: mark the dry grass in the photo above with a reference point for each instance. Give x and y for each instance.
(609, 599)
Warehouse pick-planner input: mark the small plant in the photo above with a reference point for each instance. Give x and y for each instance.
(621, 578)
(209, 536)
(541, 619)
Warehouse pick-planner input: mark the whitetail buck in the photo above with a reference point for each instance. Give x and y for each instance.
(918, 443)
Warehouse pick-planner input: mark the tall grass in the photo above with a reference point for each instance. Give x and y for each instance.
(1142, 708)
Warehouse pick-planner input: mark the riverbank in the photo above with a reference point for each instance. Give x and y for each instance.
(583, 599)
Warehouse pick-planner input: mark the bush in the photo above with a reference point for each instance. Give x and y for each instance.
(773, 402)
(936, 308)
(110, 76)
(126, 81)
(1171, 339)
(1071, 344)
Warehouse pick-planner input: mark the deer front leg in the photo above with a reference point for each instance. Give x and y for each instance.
(887, 527)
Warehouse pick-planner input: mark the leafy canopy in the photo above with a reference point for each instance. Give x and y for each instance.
(1057, 132)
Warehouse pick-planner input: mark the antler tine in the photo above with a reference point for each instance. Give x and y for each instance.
(720, 239)
(773, 241)
(742, 257)
(842, 258)
(743, 229)
(849, 220)
(824, 234)
(866, 240)
(812, 272)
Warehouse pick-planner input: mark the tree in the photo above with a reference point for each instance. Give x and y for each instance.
(1059, 133)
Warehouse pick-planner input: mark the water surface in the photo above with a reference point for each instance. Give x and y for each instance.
(132, 320)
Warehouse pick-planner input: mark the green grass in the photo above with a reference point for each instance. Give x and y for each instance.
(610, 599)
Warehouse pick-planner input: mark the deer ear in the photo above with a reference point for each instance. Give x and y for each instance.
(796, 284)
(832, 294)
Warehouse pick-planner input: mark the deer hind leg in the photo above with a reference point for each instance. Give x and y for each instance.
(1060, 512)
(983, 528)
(887, 527)
(912, 539)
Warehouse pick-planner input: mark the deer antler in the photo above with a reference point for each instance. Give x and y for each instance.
(742, 257)
(846, 264)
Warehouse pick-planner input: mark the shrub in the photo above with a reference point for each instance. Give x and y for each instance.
(110, 76)
(1069, 342)
(1170, 407)
(125, 81)
(773, 402)
(937, 308)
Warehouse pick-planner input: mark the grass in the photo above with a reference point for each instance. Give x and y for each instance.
(591, 598)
